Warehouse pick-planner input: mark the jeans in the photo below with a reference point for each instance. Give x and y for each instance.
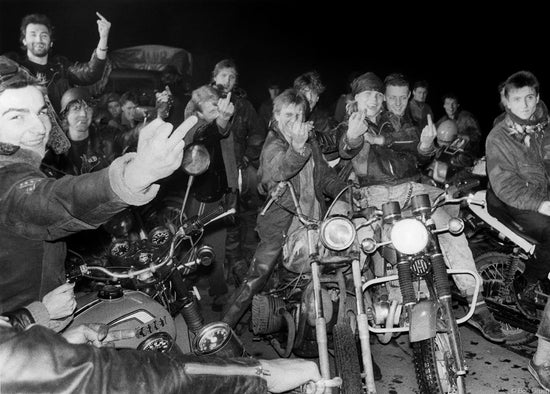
(455, 249)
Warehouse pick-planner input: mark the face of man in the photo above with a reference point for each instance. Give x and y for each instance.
(209, 110)
(129, 110)
(420, 94)
(227, 77)
(79, 118)
(522, 102)
(311, 96)
(274, 92)
(451, 107)
(114, 109)
(37, 40)
(24, 119)
(397, 98)
(370, 102)
(288, 116)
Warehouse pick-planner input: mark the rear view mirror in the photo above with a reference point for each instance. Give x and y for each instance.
(196, 159)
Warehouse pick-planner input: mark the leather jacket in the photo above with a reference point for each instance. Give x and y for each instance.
(60, 74)
(37, 212)
(39, 360)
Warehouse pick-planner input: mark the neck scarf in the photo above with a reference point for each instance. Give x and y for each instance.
(525, 129)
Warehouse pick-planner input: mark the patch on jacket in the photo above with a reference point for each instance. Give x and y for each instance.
(28, 185)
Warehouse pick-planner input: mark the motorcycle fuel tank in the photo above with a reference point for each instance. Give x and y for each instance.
(129, 309)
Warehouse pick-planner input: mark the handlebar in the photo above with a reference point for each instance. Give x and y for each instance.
(190, 226)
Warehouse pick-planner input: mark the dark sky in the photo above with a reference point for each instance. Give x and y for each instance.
(456, 47)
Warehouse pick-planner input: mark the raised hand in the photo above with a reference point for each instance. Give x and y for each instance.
(429, 132)
(357, 126)
(226, 107)
(299, 133)
(159, 153)
(103, 26)
(60, 302)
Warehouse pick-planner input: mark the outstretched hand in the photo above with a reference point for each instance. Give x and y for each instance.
(288, 373)
(60, 302)
(159, 153)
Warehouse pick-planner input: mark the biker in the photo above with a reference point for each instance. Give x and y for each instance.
(517, 151)
(36, 359)
(385, 151)
(57, 72)
(37, 212)
(92, 147)
(288, 155)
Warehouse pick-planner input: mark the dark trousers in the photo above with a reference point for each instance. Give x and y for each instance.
(271, 230)
(537, 226)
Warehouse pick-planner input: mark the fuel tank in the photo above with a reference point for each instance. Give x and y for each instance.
(128, 309)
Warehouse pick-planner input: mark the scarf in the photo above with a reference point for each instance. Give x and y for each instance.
(523, 129)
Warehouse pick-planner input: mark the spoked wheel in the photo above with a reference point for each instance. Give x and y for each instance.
(491, 266)
(347, 359)
(435, 367)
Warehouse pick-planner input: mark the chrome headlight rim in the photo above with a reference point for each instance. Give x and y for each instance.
(409, 236)
(331, 225)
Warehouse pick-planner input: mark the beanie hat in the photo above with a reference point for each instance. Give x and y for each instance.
(367, 81)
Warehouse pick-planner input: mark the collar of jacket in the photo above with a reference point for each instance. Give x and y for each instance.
(21, 156)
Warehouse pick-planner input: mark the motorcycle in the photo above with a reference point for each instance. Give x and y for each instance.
(408, 290)
(143, 282)
(501, 252)
(335, 298)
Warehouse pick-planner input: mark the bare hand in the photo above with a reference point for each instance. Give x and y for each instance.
(60, 302)
(357, 126)
(286, 374)
(97, 335)
(373, 139)
(429, 132)
(159, 153)
(299, 133)
(103, 26)
(544, 208)
(226, 107)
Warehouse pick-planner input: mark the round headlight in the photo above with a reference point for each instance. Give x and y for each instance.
(337, 233)
(409, 236)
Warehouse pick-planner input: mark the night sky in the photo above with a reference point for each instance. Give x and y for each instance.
(456, 47)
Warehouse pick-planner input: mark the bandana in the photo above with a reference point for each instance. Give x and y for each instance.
(523, 129)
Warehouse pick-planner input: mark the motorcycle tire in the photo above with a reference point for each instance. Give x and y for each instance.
(434, 366)
(347, 359)
(491, 266)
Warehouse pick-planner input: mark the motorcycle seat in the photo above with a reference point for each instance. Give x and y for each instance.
(497, 208)
(496, 216)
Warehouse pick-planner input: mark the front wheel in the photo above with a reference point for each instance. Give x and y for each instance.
(347, 359)
(435, 366)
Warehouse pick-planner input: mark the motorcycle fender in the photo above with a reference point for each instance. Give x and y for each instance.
(423, 321)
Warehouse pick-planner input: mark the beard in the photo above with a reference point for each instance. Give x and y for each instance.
(39, 50)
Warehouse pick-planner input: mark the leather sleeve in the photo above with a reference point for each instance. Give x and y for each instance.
(38, 360)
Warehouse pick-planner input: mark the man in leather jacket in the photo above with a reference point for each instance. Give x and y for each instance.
(288, 155)
(36, 359)
(57, 72)
(37, 212)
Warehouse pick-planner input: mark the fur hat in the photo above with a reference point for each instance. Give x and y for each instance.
(367, 81)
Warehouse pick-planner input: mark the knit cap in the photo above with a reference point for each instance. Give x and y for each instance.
(367, 81)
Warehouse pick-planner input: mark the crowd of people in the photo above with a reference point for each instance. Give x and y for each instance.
(70, 160)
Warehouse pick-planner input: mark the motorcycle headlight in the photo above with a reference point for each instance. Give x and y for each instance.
(337, 233)
(409, 236)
